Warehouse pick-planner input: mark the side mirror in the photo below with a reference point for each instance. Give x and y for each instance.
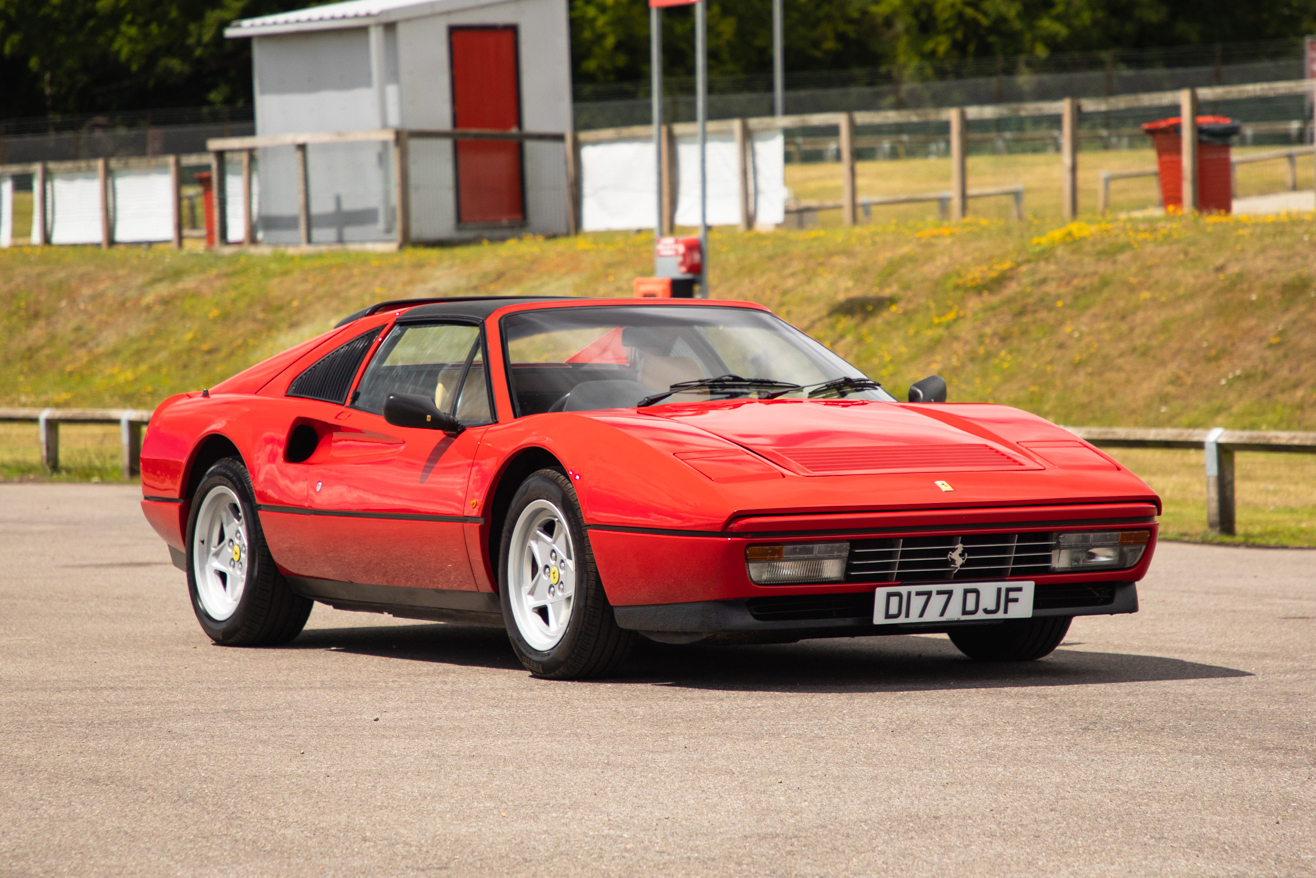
(413, 410)
(930, 389)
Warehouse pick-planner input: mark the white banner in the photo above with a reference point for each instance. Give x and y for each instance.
(6, 211)
(141, 205)
(618, 186)
(233, 207)
(618, 182)
(75, 206)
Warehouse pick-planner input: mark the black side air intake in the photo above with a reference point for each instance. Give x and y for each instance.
(330, 377)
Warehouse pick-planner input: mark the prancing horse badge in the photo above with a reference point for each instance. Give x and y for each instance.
(945, 486)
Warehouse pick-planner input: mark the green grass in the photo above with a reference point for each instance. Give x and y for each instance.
(1147, 322)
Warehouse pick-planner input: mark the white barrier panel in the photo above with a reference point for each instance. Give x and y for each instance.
(618, 186)
(6, 211)
(233, 210)
(75, 206)
(618, 182)
(141, 206)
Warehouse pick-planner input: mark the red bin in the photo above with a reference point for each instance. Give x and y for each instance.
(1215, 190)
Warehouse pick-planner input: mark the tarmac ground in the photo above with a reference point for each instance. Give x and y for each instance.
(1177, 741)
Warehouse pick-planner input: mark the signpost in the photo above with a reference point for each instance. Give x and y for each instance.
(701, 115)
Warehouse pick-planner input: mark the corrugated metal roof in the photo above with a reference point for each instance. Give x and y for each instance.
(353, 13)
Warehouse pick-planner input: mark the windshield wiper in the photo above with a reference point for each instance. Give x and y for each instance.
(722, 382)
(844, 385)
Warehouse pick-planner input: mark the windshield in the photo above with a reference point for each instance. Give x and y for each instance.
(583, 359)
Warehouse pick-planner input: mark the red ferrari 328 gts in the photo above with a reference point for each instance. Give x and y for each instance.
(586, 471)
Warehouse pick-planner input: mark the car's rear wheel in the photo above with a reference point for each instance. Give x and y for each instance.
(558, 617)
(238, 595)
(1019, 640)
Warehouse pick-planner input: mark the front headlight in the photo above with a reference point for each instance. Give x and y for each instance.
(1098, 550)
(797, 562)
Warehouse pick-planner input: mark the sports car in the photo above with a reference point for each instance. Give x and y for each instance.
(585, 472)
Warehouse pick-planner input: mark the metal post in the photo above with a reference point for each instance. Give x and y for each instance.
(176, 188)
(1188, 154)
(656, 68)
(743, 176)
(1069, 159)
(670, 170)
(1103, 196)
(248, 226)
(219, 188)
(571, 146)
(131, 434)
(48, 430)
(778, 62)
(1293, 172)
(701, 115)
(1219, 485)
(304, 198)
(1019, 203)
(959, 194)
(40, 205)
(107, 225)
(848, 194)
(402, 197)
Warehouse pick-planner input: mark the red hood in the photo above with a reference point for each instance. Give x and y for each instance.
(844, 437)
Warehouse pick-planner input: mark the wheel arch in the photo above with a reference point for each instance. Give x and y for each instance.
(210, 451)
(518, 467)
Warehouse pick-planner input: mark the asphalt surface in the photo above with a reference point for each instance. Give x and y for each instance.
(1179, 741)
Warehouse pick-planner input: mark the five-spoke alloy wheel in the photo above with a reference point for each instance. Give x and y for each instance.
(558, 617)
(238, 595)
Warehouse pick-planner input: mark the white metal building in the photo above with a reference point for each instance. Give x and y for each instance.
(413, 64)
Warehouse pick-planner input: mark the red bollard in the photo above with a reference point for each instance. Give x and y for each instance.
(206, 181)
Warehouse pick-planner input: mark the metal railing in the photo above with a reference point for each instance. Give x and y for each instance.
(1103, 195)
(1270, 156)
(130, 421)
(796, 211)
(1220, 446)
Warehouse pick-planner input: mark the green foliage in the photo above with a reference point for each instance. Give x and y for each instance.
(90, 55)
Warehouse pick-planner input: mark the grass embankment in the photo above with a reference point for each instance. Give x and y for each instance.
(1164, 322)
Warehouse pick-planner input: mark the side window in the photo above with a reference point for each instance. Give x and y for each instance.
(426, 360)
(330, 377)
(473, 405)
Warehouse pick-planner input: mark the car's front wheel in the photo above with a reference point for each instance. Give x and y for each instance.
(1019, 640)
(238, 595)
(558, 617)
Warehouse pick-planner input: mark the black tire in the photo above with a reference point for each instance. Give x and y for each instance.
(1020, 640)
(268, 612)
(592, 645)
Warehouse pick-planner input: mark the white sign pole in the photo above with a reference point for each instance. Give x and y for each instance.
(656, 64)
(701, 113)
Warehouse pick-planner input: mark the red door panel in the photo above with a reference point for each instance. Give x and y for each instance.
(486, 93)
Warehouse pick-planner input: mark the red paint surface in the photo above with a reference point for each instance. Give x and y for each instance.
(486, 94)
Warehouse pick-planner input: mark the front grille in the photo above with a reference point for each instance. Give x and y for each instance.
(803, 607)
(932, 559)
(1073, 594)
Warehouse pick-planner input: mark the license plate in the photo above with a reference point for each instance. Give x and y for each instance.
(953, 602)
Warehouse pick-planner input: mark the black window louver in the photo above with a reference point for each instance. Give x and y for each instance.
(330, 377)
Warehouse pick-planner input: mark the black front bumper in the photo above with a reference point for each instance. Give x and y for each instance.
(850, 614)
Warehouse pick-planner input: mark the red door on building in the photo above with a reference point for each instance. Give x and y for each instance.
(486, 93)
